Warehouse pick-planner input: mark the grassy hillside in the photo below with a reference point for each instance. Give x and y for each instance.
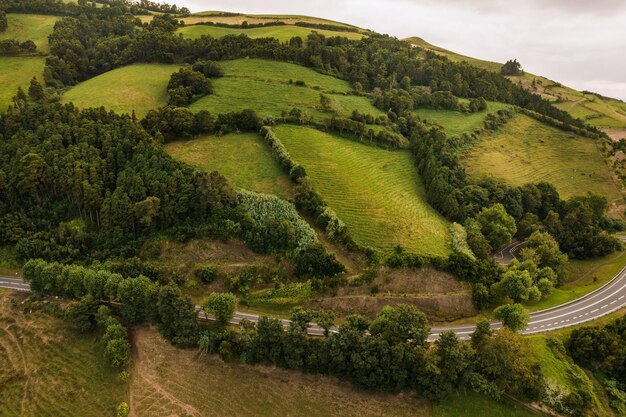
(604, 112)
(525, 151)
(376, 192)
(30, 26)
(244, 159)
(237, 19)
(139, 87)
(456, 122)
(17, 72)
(46, 369)
(270, 93)
(282, 33)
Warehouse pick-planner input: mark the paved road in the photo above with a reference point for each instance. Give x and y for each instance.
(507, 254)
(604, 300)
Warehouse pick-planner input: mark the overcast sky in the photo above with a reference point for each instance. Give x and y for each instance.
(580, 43)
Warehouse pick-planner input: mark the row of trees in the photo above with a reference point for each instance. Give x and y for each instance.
(12, 47)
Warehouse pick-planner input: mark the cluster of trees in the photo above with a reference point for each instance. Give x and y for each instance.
(186, 86)
(138, 300)
(511, 67)
(12, 47)
(4, 24)
(385, 138)
(390, 353)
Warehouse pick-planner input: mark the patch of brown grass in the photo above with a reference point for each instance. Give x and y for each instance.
(171, 382)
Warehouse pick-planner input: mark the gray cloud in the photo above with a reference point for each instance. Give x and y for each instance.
(562, 6)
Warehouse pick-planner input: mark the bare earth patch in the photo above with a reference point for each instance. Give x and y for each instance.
(615, 133)
(172, 382)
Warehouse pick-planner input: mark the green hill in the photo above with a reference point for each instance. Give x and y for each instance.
(282, 33)
(244, 159)
(525, 151)
(376, 192)
(30, 26)
(456, 122)
(17, 72)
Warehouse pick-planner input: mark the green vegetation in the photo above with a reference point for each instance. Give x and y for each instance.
(47, 369)
(282, 33)
(17, 72)
(242, 158)
(526, 151)
(269, 98)
(456, 122)
(376, 192)
(139, 87)
(470, 404)
(33, 27)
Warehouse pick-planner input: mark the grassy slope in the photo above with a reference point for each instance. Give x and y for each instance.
(213, 16)
(270, 93)
(30, 26)
(139, 87)
(525, 151)
(17, 72)
(376, 192)
(282, 33)
(245, 159)
(474, 405)
(169, 381)
(603, 112)
(47, 370)
(455, 122)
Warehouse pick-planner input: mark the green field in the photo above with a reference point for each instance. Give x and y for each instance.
(470, 404)
(376, 192)
(243, 158)
(46, 369)
(266, 70)
(139, 87)
(17, 72)
(526, 151)
(281, 33)
(30, 26)
(456, 122)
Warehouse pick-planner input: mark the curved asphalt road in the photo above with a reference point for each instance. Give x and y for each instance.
(604, 300)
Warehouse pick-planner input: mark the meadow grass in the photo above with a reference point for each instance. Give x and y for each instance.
(376, 192)
(470, 404)
(270, 99)
(526, 151)
(30, 26)
(281, 33)
(46, 369)
(17, 72)
(169, 381)
(267, 70)
(214, 16)
(139, 87)
(242, 158)
(456, 122)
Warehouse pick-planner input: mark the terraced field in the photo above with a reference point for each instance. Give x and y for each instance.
(281, 33)
(139, 87)
(48, 370)
(17, 72)
(525, 151)
(456, 122)
(244, 159)
(376, 192)
(30, 26)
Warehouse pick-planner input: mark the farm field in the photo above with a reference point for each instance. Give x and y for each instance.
(30, 26)
(139, 87)
(17, 72)
(456, 122)
(525, 151)
(47, 369)
(270, 99)
(282, 33)
(238, 18)
(376, 192)
(243, 158)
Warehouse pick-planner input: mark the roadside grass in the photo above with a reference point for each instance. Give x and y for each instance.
(470, 404)
(282, 33)
(17, 72)
(267, 70)
(376, 192)
(138, 87)
(270, 99)
(35, 27)
(170, 381)
(456, 122)
(9, 263)
(282, 299)
(243, 158)
(526, 151)
(48, 369)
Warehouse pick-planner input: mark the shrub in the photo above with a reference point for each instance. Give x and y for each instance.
(206, 274)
